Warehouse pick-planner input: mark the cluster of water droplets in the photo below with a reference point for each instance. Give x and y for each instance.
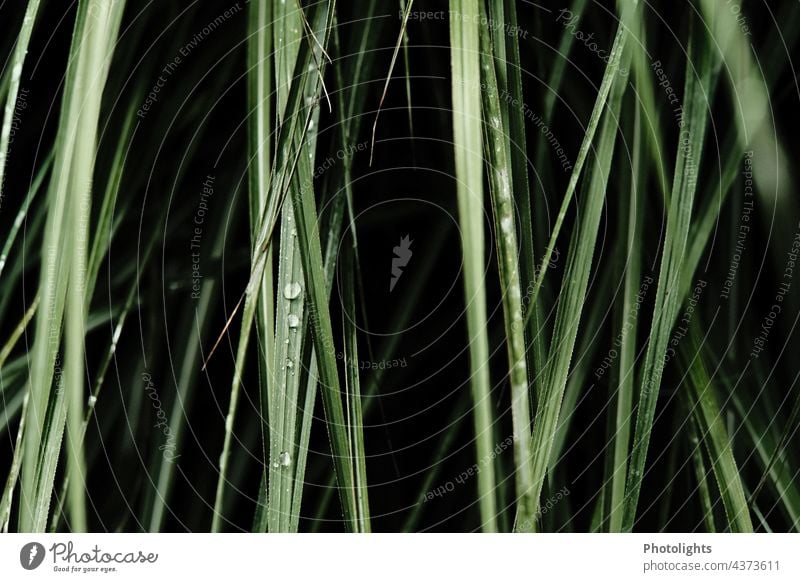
(292, 291)
(284, 460)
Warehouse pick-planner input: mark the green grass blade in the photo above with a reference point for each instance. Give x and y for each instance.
(668, 298)
(609, 76)
(13, 473)
(633, 285)
(709, 417)
(22, 214)
(576, 277)
(289, 337)
(63, 267)
(11, 92)
(465, 63)
(259, 88)
(701, 473)
(498, 155)
(355, 417)
(322, 332)
(289, 307)
(764, 441)
(96, 39)
(287, 153)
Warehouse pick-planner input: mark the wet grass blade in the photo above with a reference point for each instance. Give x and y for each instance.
(289, 307)
(287, 153)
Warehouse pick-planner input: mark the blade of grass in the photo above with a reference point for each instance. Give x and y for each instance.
(465, 63)
(22, 214)
(355, 418)
(712, 432)
(13, 474)
(501, 171)
(291, 132)
(579, 262)
(11, 92)
(92, 65)
(397, 46)
(759, 428)
(508, 68)
(288, 344)
(544, 180)
(611, 72)
(259, 83)
(668, 298)
(63, 270)
(701, 473)
(288, 347)
(627, 351)
(322, 333)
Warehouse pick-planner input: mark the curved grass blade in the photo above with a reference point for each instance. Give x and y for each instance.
(63, 270)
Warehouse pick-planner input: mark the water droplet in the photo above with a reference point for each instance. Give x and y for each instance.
(291, 290)
(92, 400)
(293, 321)
(289, 364)
(285, 459)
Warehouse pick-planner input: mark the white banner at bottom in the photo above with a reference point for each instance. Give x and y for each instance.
(400, 557)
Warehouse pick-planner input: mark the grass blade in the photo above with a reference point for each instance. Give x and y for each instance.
(668, 299)
(501, 171)
(712, 432)
(576, 277)
(465, 62)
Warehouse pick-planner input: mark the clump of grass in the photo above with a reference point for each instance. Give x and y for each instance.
(269, 405)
